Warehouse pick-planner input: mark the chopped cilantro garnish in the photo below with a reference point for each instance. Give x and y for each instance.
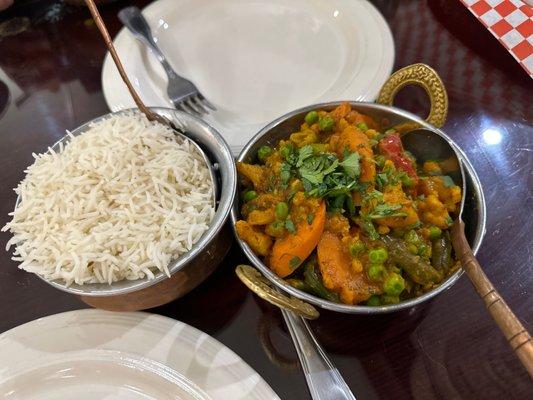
(382, 179)
(285, 173)
(310, 218)
(303, 154)
(351, 165)
(322, 175)
(385, 211)
(373, 195)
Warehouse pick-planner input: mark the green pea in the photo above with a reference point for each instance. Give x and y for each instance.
(311, 117)
(376, 271)
(356, 248)
(389, 299)
(264, 152)
(378, 256)
(434, 232)
(282, 210)
(373, 301)
(362, 126)
(250, 195)
(326, 124)
(394, 285)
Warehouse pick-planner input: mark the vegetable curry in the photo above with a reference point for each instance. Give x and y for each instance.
(342, 211)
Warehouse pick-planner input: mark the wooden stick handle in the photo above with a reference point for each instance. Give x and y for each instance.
(515, 333)
(109, 43)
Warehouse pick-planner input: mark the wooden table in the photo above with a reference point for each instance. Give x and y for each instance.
(446, 349)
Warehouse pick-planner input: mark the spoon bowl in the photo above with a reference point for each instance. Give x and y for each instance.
(426, 145)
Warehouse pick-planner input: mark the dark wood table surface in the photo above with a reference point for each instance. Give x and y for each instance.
(50, 62)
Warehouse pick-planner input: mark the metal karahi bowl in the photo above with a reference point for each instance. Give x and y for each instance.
(474, 214)
(193, 267)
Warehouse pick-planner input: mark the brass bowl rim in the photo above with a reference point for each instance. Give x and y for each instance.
(358, 309)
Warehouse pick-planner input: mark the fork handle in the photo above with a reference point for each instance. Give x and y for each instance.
(133, 19)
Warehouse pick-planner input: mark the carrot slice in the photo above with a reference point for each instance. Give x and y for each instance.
(338, 273)
(355, 140)
(290, 251)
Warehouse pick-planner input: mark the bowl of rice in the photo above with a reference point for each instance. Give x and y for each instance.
(124, 212)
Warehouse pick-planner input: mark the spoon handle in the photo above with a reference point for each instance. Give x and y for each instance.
(323, 379)
(515, 333)
(109, 43)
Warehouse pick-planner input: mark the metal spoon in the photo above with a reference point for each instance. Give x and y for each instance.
(152, 116)
(428, 145)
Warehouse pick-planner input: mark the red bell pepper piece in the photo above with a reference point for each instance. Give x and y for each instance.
(391, 147)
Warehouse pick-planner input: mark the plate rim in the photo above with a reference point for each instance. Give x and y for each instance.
(134, 320)
(108, 76)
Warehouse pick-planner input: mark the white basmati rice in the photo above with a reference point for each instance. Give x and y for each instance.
(118, 202)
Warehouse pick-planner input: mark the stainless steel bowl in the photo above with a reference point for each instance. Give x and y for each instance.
(190, 269)
(281, 128)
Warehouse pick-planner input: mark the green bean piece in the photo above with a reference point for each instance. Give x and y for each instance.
(378, 256)
(264, 152)
(412, 249)
(419, 270)
(362, 126)
(311, 117)
(373, 301)
(424, 250)
(394, 284)
(389, 299)
(250, 195)
(434, 232)
(282, 210)
(326, 123)
(441, 257)
(367, 227)
(298, 284)
(376, 272)
(314, 282)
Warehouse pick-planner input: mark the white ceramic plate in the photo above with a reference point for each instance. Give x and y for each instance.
(93, 354)
(257, 60)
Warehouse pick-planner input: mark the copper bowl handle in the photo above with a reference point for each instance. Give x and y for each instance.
(258, 284)
(426, 77)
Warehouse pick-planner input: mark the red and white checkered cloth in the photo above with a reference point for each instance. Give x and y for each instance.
(511, 22)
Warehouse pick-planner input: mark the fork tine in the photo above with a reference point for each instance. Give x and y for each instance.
(192, 105)
(184, 107)
(198, 103)
(204, 101)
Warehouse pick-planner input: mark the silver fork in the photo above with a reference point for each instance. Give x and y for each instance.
(182, 92)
